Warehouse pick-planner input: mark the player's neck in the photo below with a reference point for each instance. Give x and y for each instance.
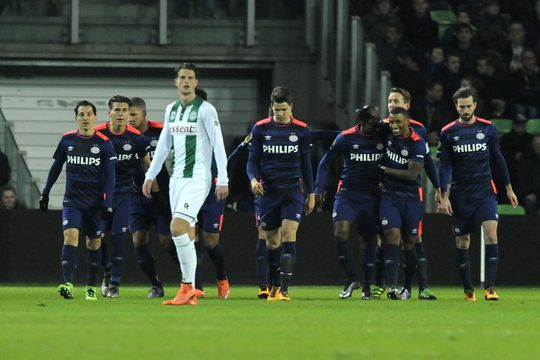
(186, 99)
(117, 129)
(86, 132)
(471, 120)
(144, 126)
(285, 122)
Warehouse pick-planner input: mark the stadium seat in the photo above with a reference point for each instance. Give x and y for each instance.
(444, 18)
(503, 125)
(533, 126)
(507, 209)
(433, 150)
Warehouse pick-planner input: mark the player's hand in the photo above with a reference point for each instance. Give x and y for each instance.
(106, 214)
(437, 197)
(247, 139)
(512, 197)
(445, 207)
(147, 188)
(44, 202)
(256, 187)
(309, 205)
(222, 191)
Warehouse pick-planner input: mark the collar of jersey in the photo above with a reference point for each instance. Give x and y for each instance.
(191, 102)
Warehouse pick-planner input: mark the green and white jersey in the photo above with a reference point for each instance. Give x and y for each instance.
(194, 134)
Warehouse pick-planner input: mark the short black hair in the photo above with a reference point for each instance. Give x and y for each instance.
(400, 110)
(281, 94)
(138, 102)
(188, 66)
(363, 114)
(465, 92)
(84, 103)
(201, 93)
(118, 99)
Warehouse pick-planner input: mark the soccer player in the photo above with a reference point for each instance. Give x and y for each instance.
(400, 210)
(131, 148)
(90, 178)
(357, 198)
(144, 211)
(279, 167)
(467, 146)
(192, 128)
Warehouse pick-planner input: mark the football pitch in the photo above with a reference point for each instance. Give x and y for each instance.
(36, 323)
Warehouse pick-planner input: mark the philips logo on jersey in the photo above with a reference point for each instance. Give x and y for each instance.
(396, 158)
(469, 148)
(124, 157)
(184, 129)
(83, 160)
(280, 149)
(366, 157)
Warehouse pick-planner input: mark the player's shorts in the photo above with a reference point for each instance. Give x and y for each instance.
(352, 206)
(143, 213)
(469, 213)
(275, 207)
(401, 213)
(187, 197)
(88, 221)
(211, 214)
(120, 218)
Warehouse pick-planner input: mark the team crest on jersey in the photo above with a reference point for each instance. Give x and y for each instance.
(384, 222)
(186, 206)
(216, 123)
(379, 146)
(65, 222)
(153, 143)
(293, 138)
(404, 152)
(193, 116)
(456, 138)
(457, 230)
(94, 150)
(126, 147)
(356, 146)
(267, 137)
(70, 148)
(480, 135)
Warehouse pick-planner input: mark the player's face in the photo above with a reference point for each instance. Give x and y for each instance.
(119, 113)
(8, 199)
(282, 112)
(396, 100)
(371, 124)
(399, 124)
(85, 118)
(186, 82)
(136, 116)
(465, 107)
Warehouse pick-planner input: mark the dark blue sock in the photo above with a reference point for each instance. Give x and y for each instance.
(492, 263)
(288, 259)
(216, 255)
(273, 265)
(93, 259)
(262, 262)
(344, 254)
(421, 269)
(105, 258)
(464, 268)
(171, 250)
(379, 266)
(391, 262)
(368, 266)
(199, 270)
(69, 262)
(119, 253)
(409, 267)
(146, 262)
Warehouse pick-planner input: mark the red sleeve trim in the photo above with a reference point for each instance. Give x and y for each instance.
(263, 121)
(299, 123)
(416, 122)
(155, 124)
(415, 136)
(102, 136)
(483, 120)
(133, 130)
(70, 132)
(349, 131)
(447, 126)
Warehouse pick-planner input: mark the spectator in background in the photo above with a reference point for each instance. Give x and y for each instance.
(493, 26)
(5, 169)
(410, 74)
(528, 176)
(462, 17)
(375, 21)
(391, 52)
(450, 75)
(532, 25)
(9, 199)
(464, 46)
(514, 46)
(420, 29)
(496, 84)
(436, 60)
(516, 145)
(526, 83)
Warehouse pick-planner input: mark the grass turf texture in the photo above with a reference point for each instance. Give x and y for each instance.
(36, 323)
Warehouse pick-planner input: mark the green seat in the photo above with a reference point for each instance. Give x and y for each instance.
(503, 125)
(433, 150)
(533, 126)
(507, 209)
(444, 18)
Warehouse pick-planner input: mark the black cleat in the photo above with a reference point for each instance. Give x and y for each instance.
(156, 292)
(393, 294)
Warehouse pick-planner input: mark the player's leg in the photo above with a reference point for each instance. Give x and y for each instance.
(409, 264)
(92, 229)
(163, 221)
(367, 216)
(390, 220)
(71, 222)
(120, 226)
(270, 212)
(411, 216)
(368, 242)
(378, 287)
(261, 256)
(463, 224)
(492, 258)
(345, 256)
(288, 258)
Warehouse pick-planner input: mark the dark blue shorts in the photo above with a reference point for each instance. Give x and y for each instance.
(143, 213)
(401, 213)
(88, 221)
(211, 214)
(121, 209)
(469, 213)
(275, 207)
(362, 208)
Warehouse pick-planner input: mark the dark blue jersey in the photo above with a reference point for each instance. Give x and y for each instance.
(280, 155)
(465, 152)
(361, 155)
(399, 152)
(130, 146)
(90, 170)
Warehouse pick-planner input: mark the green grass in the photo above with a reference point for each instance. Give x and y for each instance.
(36, 323)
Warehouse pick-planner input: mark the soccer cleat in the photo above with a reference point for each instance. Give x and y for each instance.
(263, 292)
(156, 292)
(113, 291)
(273, 294)
(182, 292)
(283, 295)
(200, 294)
(366, 295)
(491, 294)
(404, 294)
(223, 289)
(426, 295)
(393, 294)
(469, 295)
(90, 293)
(105, 284)
(66, 290)
(348, 289)
(188, 298)
(376, 291)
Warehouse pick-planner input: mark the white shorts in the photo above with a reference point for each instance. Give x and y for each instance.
(187, 197)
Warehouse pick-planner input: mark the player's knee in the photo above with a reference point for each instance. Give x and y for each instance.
(490, 238)
(93, 244)
(179, 227)
(462, 242)
(139, 238)
(210, 239)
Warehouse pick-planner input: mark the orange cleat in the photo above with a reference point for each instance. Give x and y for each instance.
(283, 296)
(223, 289)
(470, 296)
(263, 292)
(185, 291)
(200, 294)
(490, 294)
(274, 294)
(190, 298)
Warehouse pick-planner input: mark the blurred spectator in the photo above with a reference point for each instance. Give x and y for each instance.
(493, 26)
(8, 197)
(532, 25)
(464, 46)
(436, 60)
(5, 169)
(527, 86)
(462, 17)
(450, 75)
(516, 144)
(391, 52)
(375, 21)
(496, 84)
(420, 30)
(514, 45)
(528, 176)
(410, 74)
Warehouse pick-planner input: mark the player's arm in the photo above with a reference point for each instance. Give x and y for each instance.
(54, 172)
(307, 172)
(213, 130)
(431, 171)
(496, 155)
(445, 173)
(253, 166)
(233, 159)
(412, 172)
(331, 155)
(160, 155)
(109, 175)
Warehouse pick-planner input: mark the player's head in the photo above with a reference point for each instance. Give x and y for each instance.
(368, 116)
(119, 110)
(281, 104)
(399, 97)
(399, 121)
(137, 112)
(186, 79)
(8, 197)
(85, 115)
(465, 102)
